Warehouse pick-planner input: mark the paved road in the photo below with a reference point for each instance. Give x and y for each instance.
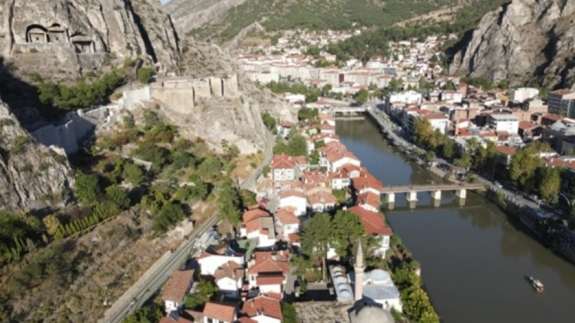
(151, 282)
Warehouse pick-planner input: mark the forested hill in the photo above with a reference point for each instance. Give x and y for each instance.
(228, 17)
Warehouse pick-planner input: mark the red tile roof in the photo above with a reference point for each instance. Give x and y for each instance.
(284, 161)
(266, 262)
(270, 280)
(366, 180)
(254, 214)
(178, 285)
(231, 270)
(370, 198)
(373, 223)
(287, 216)
(265, 305)
(220, 312)
(321, 197)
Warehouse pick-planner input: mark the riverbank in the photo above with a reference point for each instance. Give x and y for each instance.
(465, 251)
(543, 225)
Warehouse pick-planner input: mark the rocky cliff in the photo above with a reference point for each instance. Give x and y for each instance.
(32, 176)
(523, 41)
(68, 38)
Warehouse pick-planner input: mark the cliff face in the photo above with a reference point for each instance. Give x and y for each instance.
(66, 38)
(32, 176)
(523, 41)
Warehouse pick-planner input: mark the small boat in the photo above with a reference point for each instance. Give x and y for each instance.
(536, 284)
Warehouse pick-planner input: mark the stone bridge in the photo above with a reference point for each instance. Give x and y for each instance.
(436, 191)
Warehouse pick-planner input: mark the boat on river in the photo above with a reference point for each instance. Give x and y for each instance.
(536, 284)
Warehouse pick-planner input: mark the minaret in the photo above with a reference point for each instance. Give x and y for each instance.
(359, 267)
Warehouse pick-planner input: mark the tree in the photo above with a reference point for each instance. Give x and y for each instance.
(134, 174)
(87, 188)
(269, 122)
(464, 161)
(346, 229)
(168, 216)
(448, 149)
(145, 74)
(150, 313)
(523, 166)
(118, 196)
(210, 168)
(205, 289)
(289, 313)
(52, 224)
(315, 239)
(230, 203)
(361, 96)
(549, 183)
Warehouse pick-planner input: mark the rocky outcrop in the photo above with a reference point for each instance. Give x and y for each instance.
(32, 176)
(523, 41)
(68, 38)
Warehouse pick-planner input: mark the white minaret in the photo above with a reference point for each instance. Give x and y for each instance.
(359, 267)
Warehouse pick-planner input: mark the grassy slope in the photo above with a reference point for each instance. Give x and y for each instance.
(315, 14)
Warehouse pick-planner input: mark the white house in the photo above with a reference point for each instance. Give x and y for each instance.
(340, 179)
(504, 123)
(261, 229)
(406, 97)
(229, 279)
(268, 271)
(219, 313)
(175, 290)
(438, 121)
(209, 263)
(294, 199)
(263, 309)
(287, 222)
(321, 201)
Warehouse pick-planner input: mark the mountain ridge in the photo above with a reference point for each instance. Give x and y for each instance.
(523, 42)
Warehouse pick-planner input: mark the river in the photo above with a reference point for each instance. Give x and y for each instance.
(473, 258)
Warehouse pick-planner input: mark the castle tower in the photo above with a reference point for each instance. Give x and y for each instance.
(359, 268)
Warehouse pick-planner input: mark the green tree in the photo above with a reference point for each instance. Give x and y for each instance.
(145, 74)
(210, 168)
(464, 161)
(118, 196)
(134, 174)
(269, 122)
(448, 149)
(204, 291)
(549, 183)
(87, 188)
(523, 166)
(346, 229)
(149, 313)
(52, 224)
(361, 96)
(316, 238)
(230, 203)
(168, 216)
(289, 313)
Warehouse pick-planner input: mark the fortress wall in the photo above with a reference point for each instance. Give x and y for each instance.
(180, 100)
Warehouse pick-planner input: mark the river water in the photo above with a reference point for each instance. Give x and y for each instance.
(473, 258)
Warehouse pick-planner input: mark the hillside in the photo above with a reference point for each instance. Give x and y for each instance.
(224, 19)
(524, 41)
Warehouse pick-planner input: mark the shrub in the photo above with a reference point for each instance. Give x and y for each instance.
(118, 196)
(134, 174)
(19, 144)
(158, 156)
(145, 74)
(82, 94)
(168, 216)
(87, 188)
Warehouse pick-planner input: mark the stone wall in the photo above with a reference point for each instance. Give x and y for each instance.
(181, 95)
